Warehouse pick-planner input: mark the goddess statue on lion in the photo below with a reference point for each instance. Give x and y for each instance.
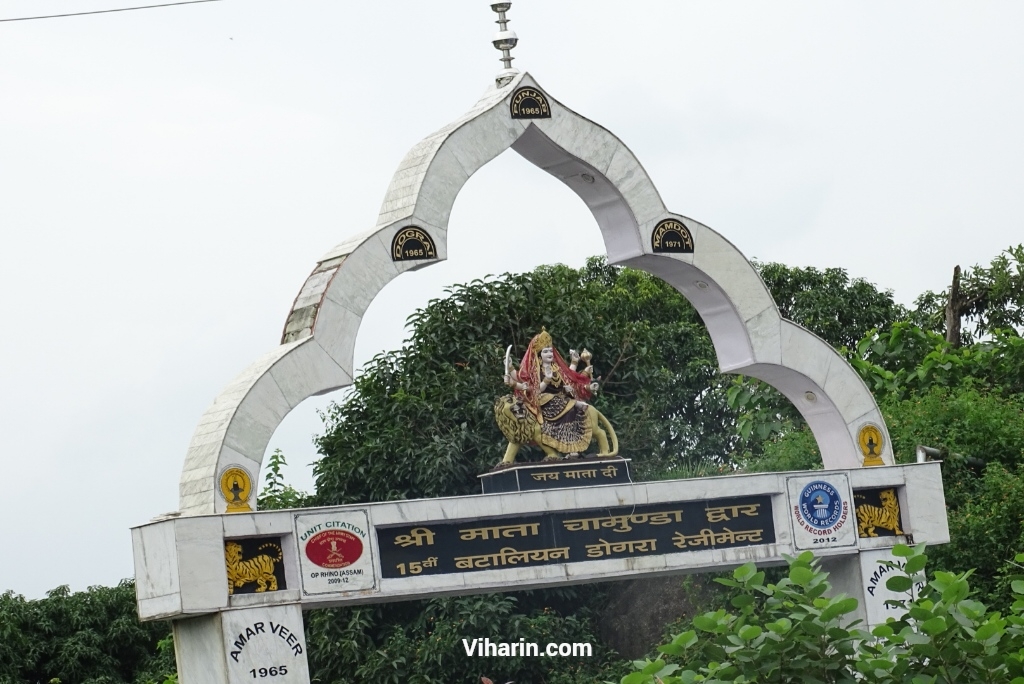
(548, 406)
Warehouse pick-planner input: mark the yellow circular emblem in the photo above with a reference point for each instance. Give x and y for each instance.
(236, 488)
(871, 442)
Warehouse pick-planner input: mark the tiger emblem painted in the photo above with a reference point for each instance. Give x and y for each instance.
(886, 516)
(259, 569)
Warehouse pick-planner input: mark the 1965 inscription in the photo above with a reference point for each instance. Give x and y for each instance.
(529, 103)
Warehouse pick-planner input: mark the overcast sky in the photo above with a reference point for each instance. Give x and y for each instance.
(169, 177)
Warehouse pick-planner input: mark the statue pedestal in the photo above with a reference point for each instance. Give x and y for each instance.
(584, 472)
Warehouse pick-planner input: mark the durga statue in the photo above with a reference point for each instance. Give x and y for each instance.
(548, 406)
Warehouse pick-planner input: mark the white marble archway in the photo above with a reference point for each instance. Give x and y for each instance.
(315, 355)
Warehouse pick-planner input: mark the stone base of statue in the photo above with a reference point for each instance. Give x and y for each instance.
(581, 472)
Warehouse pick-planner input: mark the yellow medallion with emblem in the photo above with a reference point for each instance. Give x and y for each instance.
(236, 488)
(871, 442)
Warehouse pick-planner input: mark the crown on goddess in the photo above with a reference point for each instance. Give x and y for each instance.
(541, 340)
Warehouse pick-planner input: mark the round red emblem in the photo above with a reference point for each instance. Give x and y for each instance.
(334, 549)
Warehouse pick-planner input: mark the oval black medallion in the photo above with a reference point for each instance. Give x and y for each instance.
(529, 103)
(411, 244)
(671, 236)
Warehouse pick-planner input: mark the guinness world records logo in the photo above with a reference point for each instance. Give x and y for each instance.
(820, 507)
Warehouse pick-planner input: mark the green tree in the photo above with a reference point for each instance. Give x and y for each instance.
(276, 493)
(829, 303)
(988, 298)
(420, 422)
(909, 360)
(87, 637)
(981, 434)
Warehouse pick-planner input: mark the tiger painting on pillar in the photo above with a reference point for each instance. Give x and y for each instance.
(260, 569)
(885, 515)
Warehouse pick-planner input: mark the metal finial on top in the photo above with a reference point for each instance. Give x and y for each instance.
(504, 40)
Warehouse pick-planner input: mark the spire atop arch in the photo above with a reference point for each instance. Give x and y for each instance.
(504, 40)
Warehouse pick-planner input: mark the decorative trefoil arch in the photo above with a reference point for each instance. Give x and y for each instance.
(316, 350)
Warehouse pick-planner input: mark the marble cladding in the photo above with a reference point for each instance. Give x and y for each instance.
(199, 650)
(307, 303)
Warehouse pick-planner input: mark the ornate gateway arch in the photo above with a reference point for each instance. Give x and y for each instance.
(315, 354)
(234, 581)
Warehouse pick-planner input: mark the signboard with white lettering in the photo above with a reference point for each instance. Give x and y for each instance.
(821, 511)
(265, 645)
(334, 552)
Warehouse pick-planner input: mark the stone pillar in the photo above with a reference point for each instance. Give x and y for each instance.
(872, 585)
(863, 577)
(844, 573)
(264, 644)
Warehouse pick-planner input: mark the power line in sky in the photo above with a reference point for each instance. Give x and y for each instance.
(120, 9)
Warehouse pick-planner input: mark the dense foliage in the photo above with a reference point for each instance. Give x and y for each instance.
(985, 298)
(88, 637)
(420, 421)
(796, 630)
(421, 642)
(908, 360)
(829, 303)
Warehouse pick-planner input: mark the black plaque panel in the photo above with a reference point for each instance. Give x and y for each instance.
(671, 236)
(582, 473)
(412, 243)
(574, 536)
(254, 565)
(529, 103)
(878, 512)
